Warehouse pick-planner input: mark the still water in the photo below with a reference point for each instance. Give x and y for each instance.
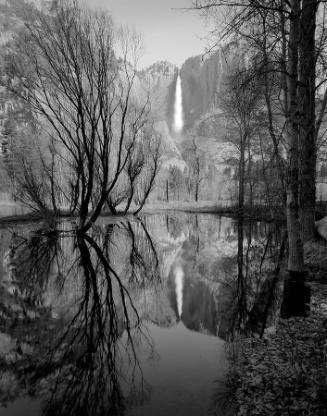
(132, 318)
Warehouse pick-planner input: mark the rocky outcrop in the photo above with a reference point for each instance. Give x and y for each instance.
(200, 82)
(203, 80)
(159, 81)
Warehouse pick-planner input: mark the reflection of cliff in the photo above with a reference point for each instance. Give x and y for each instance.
(154, 306)
(199, 308)
(202, 258)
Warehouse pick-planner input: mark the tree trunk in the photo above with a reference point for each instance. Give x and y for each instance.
(241, 171)
(307, 84)
(294, 229)
(241, 295)
(197, 191)
(197, 179)
(249, 176)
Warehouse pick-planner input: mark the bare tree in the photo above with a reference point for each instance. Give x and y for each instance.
(241, 103)
(67, 71)
(195, 158)
(175, 183)
(31, 168)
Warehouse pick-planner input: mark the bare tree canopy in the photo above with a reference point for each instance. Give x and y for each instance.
(76, 72)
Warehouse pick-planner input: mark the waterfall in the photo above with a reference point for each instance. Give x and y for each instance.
(179, 283)
(178, 108)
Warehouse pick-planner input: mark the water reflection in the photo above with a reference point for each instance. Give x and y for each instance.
(231, 275)
(254, 298)
(179, 285)
(130, 317)
(72, 319)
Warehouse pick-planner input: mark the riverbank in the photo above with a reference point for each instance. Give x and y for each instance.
(257, 213)
(285, 372)
(153, 209)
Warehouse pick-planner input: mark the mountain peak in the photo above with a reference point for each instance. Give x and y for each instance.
(164, 67)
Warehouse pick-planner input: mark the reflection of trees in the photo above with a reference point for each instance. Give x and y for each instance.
(250, 297)
(80, 363)
(251, 292)
(32, 258)
(262, 290)
(175, 226)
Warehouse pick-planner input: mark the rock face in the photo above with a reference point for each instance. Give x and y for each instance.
(200, 83)
(203, 81)
(160, 80)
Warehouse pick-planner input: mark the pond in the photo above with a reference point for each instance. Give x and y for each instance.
(132, 318)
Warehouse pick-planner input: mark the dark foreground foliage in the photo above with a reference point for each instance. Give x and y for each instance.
(284, 373)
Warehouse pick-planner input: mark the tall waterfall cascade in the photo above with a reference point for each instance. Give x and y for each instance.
(179, 285)
(178, 107)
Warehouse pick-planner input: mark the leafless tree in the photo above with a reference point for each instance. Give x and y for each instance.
(68, 71)
(175, 184)
(195, 158)
(241, 103)
(31, 168)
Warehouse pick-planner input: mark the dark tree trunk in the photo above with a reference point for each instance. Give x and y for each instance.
(241, 173)
(294, 229)
(307, 77)
(196, 191)
(249, 175)
(296, 296)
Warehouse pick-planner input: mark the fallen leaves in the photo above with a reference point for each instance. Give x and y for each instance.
(285, 373)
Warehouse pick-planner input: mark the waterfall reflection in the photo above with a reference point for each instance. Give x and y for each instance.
(67, 303)
(179, 277)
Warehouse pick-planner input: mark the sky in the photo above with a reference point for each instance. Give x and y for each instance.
(168, 34)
